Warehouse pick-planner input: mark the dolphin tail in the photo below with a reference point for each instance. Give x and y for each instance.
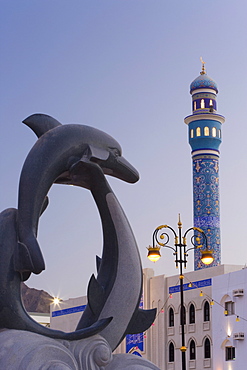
(41, 123)
(141, 321)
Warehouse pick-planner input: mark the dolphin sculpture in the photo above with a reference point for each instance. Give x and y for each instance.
(58, 149)
(117, 290)
(12, 312)
(81, 155)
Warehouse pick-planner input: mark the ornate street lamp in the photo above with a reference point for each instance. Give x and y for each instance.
(180, 252)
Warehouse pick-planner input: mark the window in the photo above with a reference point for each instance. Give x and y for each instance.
(214, 132)
(229, 308)
(184, 315)
(171, 352)
(230, 353)
(192, 350)
(210, 102)
(192, 133)
(194, 105)
(192, 314)
(207, 348)
(219, 133)
(206, 311)
(206, 131)
(198, 131)
(171, 317)
(202, 103)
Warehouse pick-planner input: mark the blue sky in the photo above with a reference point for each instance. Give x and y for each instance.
(123, 66)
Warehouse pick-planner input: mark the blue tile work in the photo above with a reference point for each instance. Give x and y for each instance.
(195, 285)
(135, 342)
(207, 205)
(67, 311)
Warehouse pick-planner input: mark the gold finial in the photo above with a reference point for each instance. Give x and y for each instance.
(179, 222)
(203, 72)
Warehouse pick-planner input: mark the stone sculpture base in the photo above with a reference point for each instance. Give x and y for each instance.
(22, 350)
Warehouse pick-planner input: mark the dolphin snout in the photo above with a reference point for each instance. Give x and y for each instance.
(125, 171)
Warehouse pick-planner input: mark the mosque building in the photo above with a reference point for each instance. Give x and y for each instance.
(215, 296)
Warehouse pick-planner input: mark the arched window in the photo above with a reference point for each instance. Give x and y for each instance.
(192, 350)
(206, 131)
(192, 314)
(171, 352)
(202, 103)
(206, 311)
(219, 133)
(207, 348)
(191, 133)
(194, 105)
(182, 311)
(210, 102)
(198, 131)
(214, 132)
(171, 317)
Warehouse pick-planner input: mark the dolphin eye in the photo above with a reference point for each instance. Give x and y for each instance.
(116, 152)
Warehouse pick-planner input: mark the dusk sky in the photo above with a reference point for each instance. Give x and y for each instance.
(124, 67)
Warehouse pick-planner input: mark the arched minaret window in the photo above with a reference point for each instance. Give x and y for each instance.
(206, 131)
(206, 312)
(202, 103)
(191, 133)
(211, 103)
(220, 133)
(171, 352)
(184, 315)
(192, 350)
(192, 314)
(214, 132)
(171, 317)
(194, 105)
(198, 131)
(207, 348)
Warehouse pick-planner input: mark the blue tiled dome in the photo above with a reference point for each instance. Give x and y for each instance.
(203, 82)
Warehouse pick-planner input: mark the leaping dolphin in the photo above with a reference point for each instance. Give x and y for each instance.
(51, 160)
(12, 312)
(117, 290)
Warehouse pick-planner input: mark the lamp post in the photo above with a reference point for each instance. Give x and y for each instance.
(180, 252)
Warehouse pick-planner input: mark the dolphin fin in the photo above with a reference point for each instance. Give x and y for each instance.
(95, 295)
(98, 153)
(141, 321)
(41, 123)
(98, 262)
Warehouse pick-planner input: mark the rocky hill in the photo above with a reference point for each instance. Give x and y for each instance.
(35, 300)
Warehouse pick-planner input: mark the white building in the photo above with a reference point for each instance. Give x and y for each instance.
(209, 333)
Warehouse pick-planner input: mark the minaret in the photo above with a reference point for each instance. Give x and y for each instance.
(204, 127)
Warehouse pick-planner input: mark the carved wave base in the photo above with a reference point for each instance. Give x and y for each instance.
(23, 350)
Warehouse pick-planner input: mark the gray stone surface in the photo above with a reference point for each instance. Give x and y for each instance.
(22, 350)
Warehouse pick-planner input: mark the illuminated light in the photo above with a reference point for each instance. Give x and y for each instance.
(183, 349)
(190, 285)
(162, 311)
(212, 302)
(153, 324)
(154, 253)
(201, 293)
(225, 312)
(237, 319)
(170, 296)
(207, 257)
(56, 300)
(229, 332)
